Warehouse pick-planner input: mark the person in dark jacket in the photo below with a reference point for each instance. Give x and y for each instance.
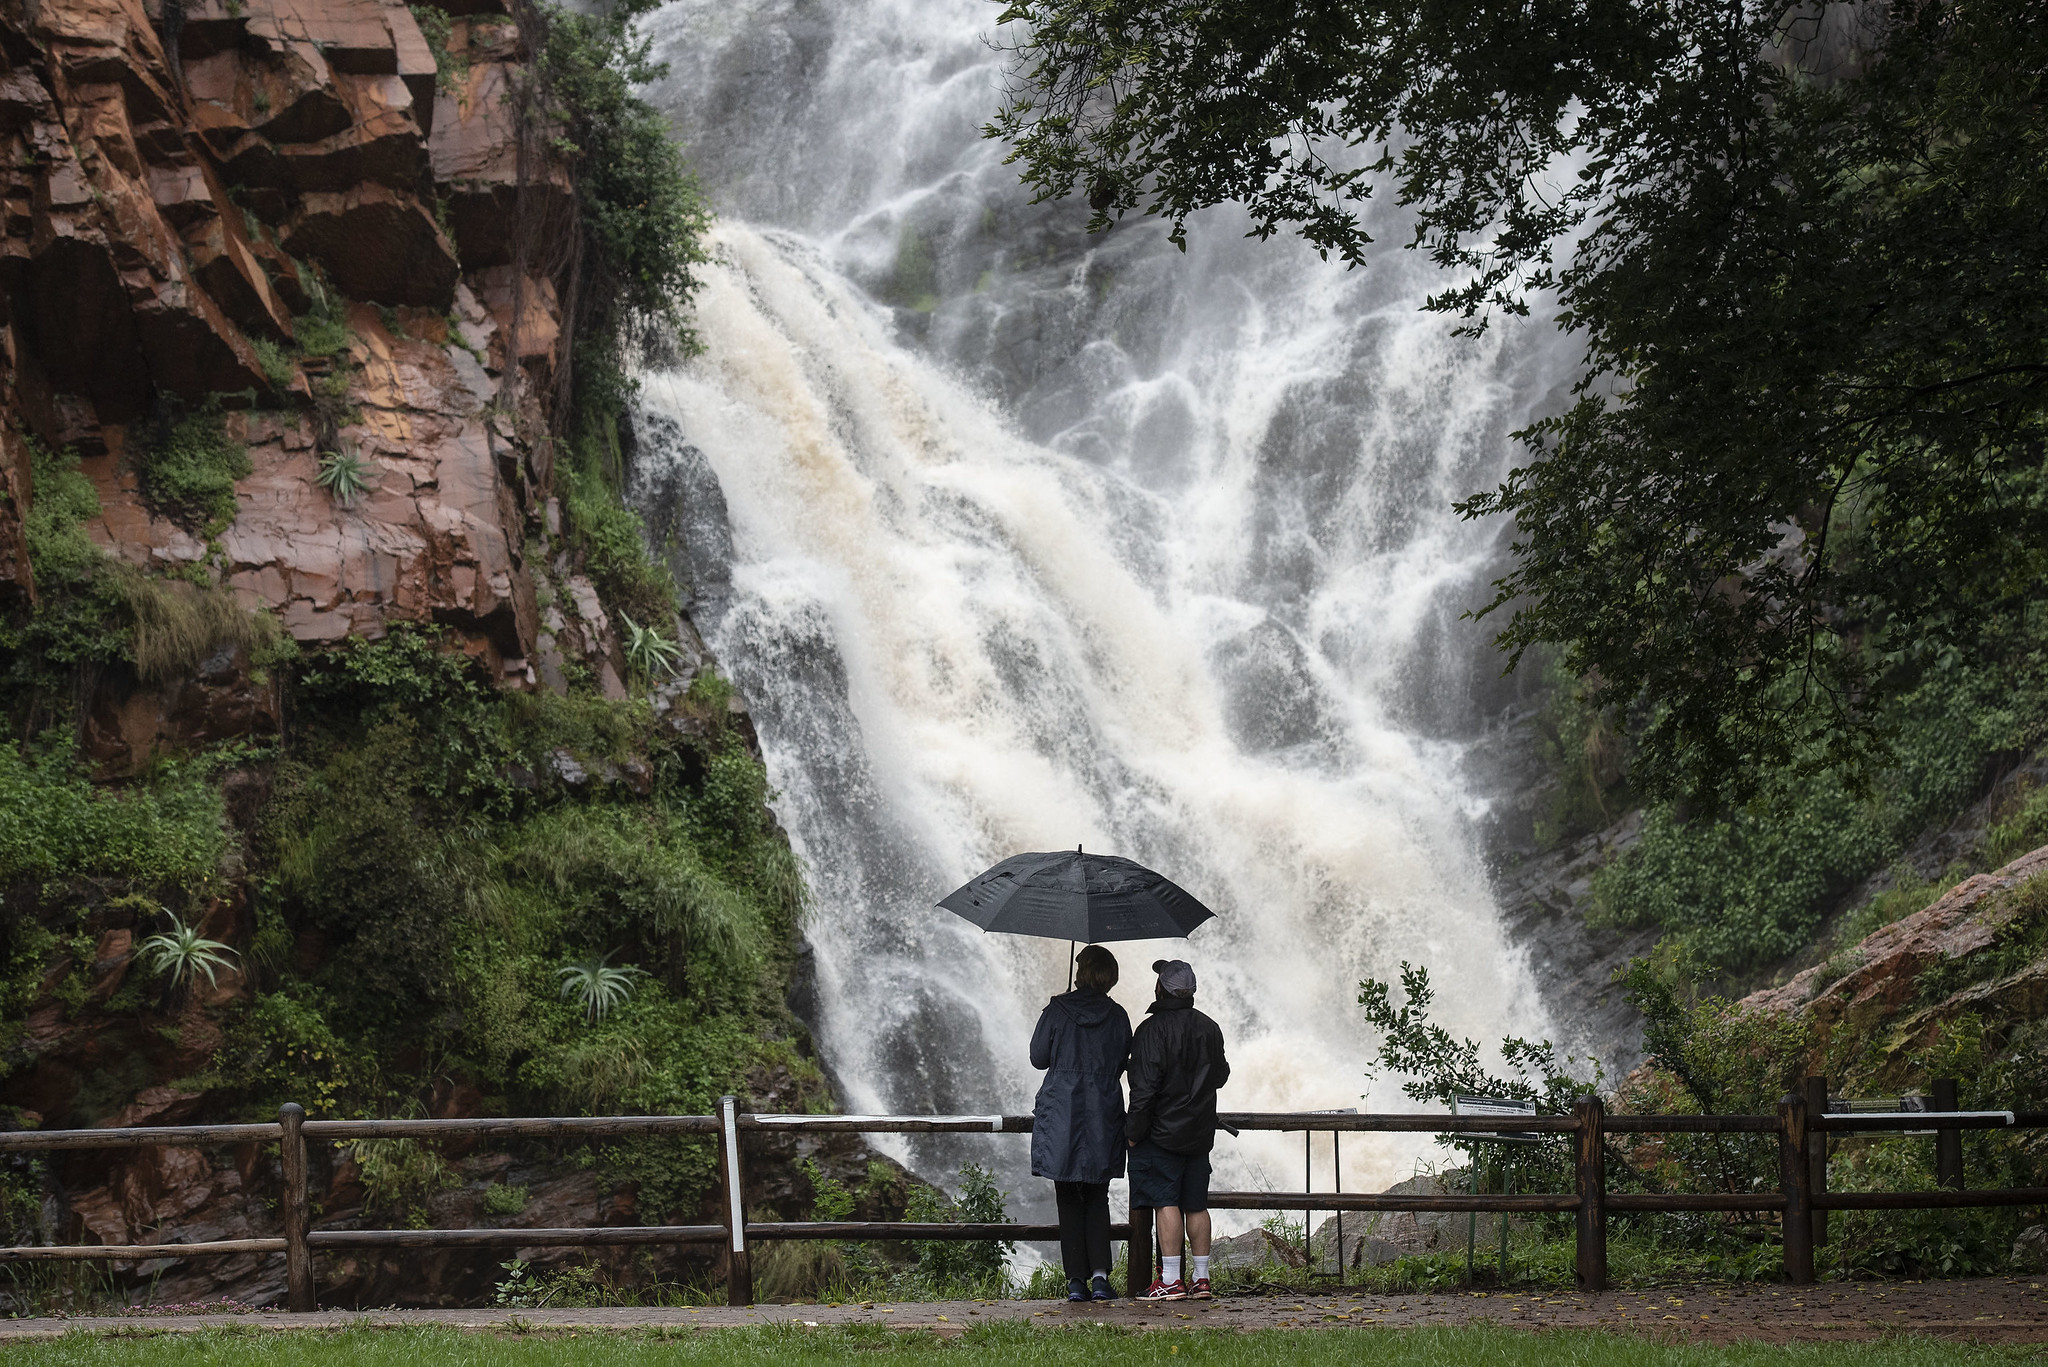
(1078, 1121)
(1176, 1065)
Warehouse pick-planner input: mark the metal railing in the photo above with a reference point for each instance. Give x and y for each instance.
(1801, 1199)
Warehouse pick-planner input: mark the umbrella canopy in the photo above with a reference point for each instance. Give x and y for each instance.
(1068, 895)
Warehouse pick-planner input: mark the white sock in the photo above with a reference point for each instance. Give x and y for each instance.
(1102, 1275)
(1169, 1269)
(1201, 1265)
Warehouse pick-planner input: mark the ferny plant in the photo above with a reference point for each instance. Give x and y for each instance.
(598, 986)
(184, 952)
(345, 475)
(649, 653)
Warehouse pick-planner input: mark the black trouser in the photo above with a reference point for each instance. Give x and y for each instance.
(1084, 1227)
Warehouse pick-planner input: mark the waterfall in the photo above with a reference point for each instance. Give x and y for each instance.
(1017, 538)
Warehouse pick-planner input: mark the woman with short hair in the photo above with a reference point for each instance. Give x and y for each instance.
(1077, 1137)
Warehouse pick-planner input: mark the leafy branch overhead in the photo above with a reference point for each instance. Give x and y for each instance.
(1804, 251)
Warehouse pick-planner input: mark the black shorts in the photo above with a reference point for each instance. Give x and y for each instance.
(1160, 1177)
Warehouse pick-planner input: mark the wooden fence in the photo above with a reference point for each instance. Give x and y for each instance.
(1800, 1124)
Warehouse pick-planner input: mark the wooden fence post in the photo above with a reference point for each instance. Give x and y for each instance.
(1795, 1176)
(1138, 1254)
(1948, 1144)
(1817, 1154)
(739, 1273)
(298, 1257)
(1592, 1189)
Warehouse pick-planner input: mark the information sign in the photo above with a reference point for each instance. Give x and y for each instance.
(1497, 1105)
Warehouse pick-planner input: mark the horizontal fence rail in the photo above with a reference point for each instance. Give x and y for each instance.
(1801, 1200)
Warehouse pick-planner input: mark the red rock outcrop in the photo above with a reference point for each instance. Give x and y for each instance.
(1876, 996)
(167, 208)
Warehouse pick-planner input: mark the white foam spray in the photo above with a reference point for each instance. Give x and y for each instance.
(1083, 541)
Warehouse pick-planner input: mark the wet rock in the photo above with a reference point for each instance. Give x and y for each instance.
(127, 725)
(1247, 1253)
(476, 160)
(2030, 1250)
(17, 580)
(1867, 991)
(377, 243)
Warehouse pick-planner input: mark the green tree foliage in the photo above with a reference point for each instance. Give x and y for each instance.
(643, 217)
(1751, 885)
(959, 1266)
(1804, 250)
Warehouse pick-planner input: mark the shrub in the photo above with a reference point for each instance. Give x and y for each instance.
(411, 676)
(502, 1198)
(386, 886)
(278, 366)
(55, 824)
(281, 1048)
(190, 469)
(959, 1266)
(399, 1175)
(1750, 886)
(59, 551)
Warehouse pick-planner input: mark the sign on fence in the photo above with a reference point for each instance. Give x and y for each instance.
(1496, 1105)
(1879, 1105)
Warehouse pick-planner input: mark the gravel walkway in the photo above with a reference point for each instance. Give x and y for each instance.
(1987, 1310)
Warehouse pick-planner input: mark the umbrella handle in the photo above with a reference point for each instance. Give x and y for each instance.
(1070, 964)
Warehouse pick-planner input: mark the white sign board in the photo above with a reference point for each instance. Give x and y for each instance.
(1497, 1105)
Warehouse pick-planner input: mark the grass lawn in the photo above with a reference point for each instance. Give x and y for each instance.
(992, 1344)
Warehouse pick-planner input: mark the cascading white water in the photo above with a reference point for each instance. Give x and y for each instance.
(1037, 540)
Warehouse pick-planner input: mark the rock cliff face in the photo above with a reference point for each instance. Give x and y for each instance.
(341, 242)
(184, 183)
(1978, 951)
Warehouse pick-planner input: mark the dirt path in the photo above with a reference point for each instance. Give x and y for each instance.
(1988, 1310)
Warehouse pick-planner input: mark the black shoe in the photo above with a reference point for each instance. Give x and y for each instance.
(1102, 1291)
(1077, 1291)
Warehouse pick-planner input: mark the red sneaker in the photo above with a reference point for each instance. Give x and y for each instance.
(1200, 1291)
(1175, 1290)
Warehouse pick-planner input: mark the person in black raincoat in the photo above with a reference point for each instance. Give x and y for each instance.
(1077, 1132)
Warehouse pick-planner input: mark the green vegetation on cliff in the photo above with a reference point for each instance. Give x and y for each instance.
(642, 216)
(1746, 887)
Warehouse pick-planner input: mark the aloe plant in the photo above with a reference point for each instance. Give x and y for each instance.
(598, 986)
(649, 653)
(344, 475)
(184, 952)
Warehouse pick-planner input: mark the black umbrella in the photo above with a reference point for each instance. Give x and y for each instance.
(1085, 898)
